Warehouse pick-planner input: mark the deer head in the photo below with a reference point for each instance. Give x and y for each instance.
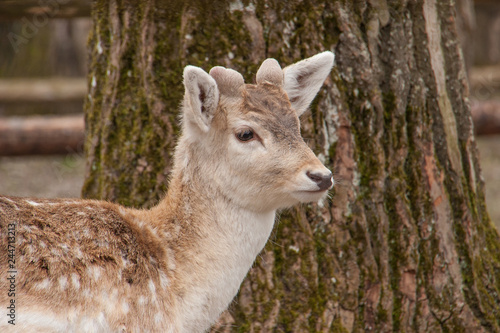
(247, 136)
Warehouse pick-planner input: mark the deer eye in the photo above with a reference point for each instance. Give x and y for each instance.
(245, 135)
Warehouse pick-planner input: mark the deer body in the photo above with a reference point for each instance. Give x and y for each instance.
(95, 266)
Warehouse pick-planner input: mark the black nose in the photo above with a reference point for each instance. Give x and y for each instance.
(324, 181)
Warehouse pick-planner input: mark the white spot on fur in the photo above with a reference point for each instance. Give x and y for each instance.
(101, 318)
(33, 203)
(94, 272)
(140, 223)
(141, 300)
(102, 243)
(154, 231)
(125, 307)
(158, 317)
(164, 281)
(112, 296)
(63, 282)
(86, 293)
(78, 253)
(171, 260)
(75, 279)
(44, 284)
(152, 287)
(29, 252)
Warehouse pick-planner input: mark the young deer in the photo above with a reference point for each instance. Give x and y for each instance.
(95, 266)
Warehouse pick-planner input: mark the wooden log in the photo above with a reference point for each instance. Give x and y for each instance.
(15, 9)
(486, 77)
(42, 90)
(41, 135)
(486, 117)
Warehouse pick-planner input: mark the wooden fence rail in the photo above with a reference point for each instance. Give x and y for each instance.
(41, 135)
(17, 90)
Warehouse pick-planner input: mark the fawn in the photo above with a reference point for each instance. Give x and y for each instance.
(95, 266)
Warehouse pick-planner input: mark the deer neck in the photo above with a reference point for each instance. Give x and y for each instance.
(213, 244)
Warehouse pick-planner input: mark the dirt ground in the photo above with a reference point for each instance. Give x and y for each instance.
(62, 176)
(42, 176)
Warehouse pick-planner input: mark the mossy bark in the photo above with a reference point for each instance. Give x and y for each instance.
(405, 244)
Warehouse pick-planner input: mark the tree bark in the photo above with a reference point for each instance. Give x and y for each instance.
(405, 244)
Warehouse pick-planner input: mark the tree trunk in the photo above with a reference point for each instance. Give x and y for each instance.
(405, 244)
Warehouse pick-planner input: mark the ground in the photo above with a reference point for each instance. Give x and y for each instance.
(42, 176)
(62, 176)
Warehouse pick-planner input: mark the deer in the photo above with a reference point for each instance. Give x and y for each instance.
(83, 265)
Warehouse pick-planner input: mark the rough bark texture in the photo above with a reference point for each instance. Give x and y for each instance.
(405, 244)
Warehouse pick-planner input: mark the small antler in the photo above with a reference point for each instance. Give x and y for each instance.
(270, 71)
(228, 81)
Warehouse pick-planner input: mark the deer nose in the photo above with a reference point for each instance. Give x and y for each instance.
(323, 180)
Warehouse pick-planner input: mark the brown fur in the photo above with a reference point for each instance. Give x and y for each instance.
(59, 241)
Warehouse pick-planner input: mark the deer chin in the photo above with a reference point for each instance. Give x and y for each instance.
(309, 195)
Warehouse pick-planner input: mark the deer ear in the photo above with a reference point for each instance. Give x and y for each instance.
(201, 97)
(304, 79)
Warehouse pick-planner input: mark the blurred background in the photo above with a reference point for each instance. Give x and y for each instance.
(43, 87)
